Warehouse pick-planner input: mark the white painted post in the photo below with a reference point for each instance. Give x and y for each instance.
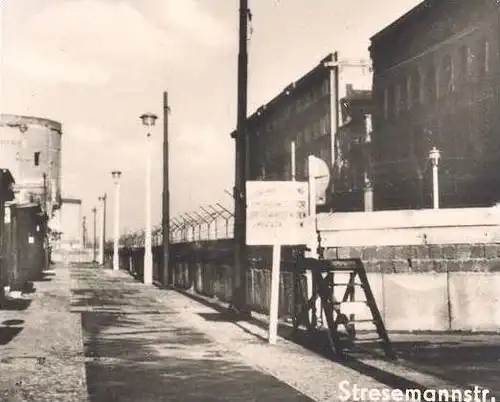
(148, 253)
(312, 205)
(101, 237)
(313, 244)
(116, 261)
(434, 156)
(275, 287)
(292, 151)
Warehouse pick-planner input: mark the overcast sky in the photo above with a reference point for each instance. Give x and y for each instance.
(96, 65)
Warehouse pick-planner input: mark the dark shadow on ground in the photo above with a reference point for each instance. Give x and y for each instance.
(175, 379)
(7, 334)
(463, 362)
(225, 316)
(105, 297)
(14, 304)
(10, 323)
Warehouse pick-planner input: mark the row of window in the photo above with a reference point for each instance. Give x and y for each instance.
(314, 95)
(310, 133)
(438, 80)
(301, 104)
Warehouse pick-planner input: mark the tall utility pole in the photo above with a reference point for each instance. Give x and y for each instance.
(94, 243)
(166, 193)
(84, 231)
(239, 302)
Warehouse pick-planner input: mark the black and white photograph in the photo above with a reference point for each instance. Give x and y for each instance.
(249, 200)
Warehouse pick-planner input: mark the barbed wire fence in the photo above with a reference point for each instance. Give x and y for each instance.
(212, 222)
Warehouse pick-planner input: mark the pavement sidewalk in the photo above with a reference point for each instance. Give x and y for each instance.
(139, 348)
(41, 348)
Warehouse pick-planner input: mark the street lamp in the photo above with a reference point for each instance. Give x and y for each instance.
(103, 229)
(116, 179)
(148, 120)
(94, 256)
(434, 156)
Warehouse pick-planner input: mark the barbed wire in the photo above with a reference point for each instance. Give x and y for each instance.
(210, 222)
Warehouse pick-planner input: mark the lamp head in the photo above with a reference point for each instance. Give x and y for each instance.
(148, 119)
(116, 174)
(434, 155)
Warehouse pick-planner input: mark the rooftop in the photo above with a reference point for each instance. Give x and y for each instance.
(13, 120)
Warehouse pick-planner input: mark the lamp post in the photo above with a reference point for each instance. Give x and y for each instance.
(434, 155)
(116, 174)
(103, 229)
(368, 185)
(148, 120)
(94, 256)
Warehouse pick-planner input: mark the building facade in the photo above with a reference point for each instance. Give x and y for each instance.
(30, 147)
(436, 84)
(308, 113)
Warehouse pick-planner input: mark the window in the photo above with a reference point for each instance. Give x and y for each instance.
(466, 58)
(37, 158)
(299, 105)
(323, 125)
(309, 99)
(430, 84)
(448, 74)
(307, 134)
(397, 99)
(409, 92)
(386, 103)
(470, 60)
(326, 87)
(418, 95)
(390, 100)
(437, 80)
(486, 56)
(299, 139)
(317, 129)
(484, 59)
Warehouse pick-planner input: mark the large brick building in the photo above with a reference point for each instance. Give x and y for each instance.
(436, 83)
(312, 112)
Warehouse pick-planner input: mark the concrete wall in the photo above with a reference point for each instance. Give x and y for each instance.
(459, 301)
(438, 269)
(429, 270)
